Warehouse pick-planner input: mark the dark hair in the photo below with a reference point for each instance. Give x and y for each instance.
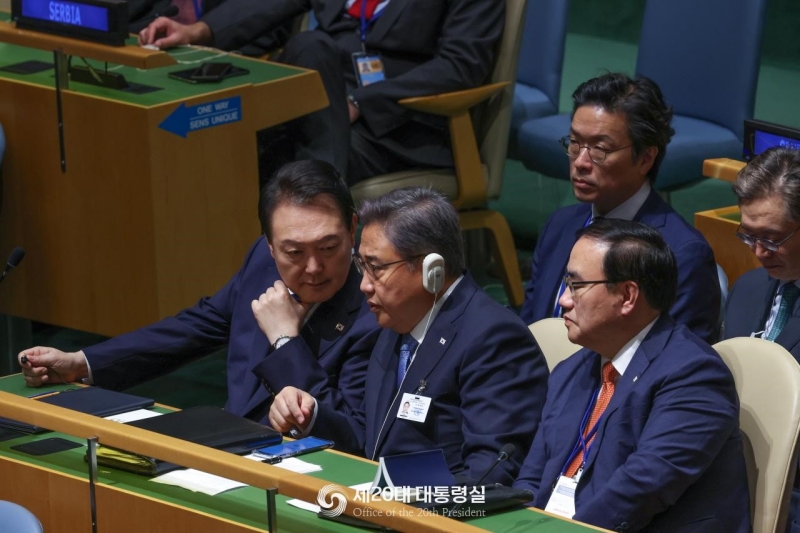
(638, 253)
(774, 172)
(417, 222)
(300, 183)
(640, 101)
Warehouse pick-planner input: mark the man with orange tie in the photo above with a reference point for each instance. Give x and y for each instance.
(640, 431)
(370, 54)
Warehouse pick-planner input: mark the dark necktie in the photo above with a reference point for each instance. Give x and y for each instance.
(407, 347)
(785, 310)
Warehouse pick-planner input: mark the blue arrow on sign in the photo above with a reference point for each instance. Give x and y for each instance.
(199, 117)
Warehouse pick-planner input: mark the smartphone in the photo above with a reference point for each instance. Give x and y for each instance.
(291, 449)
(211, 72)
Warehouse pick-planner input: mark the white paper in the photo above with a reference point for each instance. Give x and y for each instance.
(198, 481)
(314, 508)
(130, 416)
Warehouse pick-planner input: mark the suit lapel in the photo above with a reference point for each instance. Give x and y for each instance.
(334, 318)
(653, 211)
(648, 350)
(554, 276)
(386, 20)
(380, 389)
(328, 11)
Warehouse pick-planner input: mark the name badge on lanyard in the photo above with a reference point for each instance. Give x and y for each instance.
(562, 500)
(367, 65)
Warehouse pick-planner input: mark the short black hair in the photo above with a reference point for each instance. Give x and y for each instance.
(299, 183)
(418, 221)
(638, 253)
(640, 101)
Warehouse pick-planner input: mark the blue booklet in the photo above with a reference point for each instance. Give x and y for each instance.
(418, 469)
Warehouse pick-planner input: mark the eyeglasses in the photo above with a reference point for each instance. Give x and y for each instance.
(766, 244)
(596, 154)
(572, 284)
(374, 271)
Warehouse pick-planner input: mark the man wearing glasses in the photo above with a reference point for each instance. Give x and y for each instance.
(640, 431)
(295, 302)
(764, 301)
(473, 375)
(618, 138)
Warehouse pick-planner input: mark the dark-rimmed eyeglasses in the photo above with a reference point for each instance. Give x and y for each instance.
(571, 285)
(598, 155)
(374, 271)
(766, 244)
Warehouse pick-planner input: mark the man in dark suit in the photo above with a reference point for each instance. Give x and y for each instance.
(424, 46)
(296, 298)
(142, 12)
(764, 301)
(618, 138)
(640, 431)
(470, 369)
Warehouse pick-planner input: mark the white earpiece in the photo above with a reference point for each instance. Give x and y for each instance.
(433, 273)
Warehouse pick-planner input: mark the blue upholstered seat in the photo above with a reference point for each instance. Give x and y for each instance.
(16, 519)
(705, 57)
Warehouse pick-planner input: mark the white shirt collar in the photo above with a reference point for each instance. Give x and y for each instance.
(628, 209)
(624, 356)
(419, 330)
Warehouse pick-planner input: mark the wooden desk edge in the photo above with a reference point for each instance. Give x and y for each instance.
(131, 56)
(722, 168)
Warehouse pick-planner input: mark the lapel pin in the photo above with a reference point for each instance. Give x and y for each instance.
(635, 378)
(340, 327)
(442, 341)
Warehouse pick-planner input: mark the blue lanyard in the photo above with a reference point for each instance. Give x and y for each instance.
(366, 23)
(198, 9)
(581, 443)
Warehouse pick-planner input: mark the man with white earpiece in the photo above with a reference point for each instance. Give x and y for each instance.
(469, 369)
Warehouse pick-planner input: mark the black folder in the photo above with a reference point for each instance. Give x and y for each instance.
(89, 400)
(209, 426)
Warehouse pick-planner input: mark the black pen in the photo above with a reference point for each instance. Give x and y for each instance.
(273, 460)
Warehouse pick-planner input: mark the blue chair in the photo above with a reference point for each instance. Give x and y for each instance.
(16, 519)
(541, 60)
(705, 57)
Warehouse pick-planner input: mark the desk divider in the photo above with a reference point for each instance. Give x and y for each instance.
(216, 462)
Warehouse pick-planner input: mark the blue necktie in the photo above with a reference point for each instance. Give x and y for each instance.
(406, 349)
(788, 298)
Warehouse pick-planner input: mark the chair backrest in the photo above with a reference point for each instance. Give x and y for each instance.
(541, 55)
(16, 519)
(768, 382)
(2, 145)
(551, 335)
(492, 119)
(705, 56)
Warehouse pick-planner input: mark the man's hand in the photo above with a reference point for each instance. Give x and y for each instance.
(292, 408)
(354, 112)
(277, 313)
(166, 33)
(48, 366)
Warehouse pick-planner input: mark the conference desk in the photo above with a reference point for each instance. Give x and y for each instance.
(156, 204)
(55, 488)
(719, 226)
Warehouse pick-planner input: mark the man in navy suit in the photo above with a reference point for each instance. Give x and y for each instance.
(470, 369)
(764, 301)
(424, 46)
(295, 300)
(654, 444)
(618, 138)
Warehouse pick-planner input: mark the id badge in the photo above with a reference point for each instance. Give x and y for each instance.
(368, 67)
(414, 407)
(562, 500)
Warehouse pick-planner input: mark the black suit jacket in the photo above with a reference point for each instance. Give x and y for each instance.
(748, 307)
(427, 46)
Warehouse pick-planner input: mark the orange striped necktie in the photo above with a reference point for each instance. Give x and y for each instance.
(609, 374)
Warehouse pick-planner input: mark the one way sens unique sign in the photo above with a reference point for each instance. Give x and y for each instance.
(199, 117)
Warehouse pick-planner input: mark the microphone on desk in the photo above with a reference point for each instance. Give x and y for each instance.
(505, 453)
(13, 260)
